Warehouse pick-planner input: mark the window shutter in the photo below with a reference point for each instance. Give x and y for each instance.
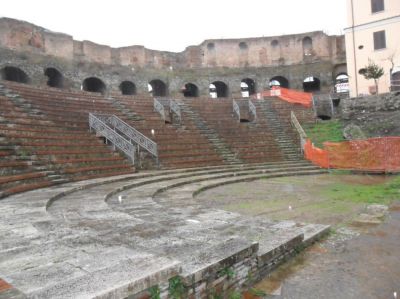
(377, 5)
(379, 40)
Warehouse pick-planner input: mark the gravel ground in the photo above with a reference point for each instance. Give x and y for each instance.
(349, 264)
(360, 261)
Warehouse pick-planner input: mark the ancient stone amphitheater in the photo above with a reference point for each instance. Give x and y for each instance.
(98, 186)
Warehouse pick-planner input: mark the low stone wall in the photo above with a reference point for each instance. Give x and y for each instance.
(229, 277)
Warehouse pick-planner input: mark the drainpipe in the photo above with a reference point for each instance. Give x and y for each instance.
(354, 47)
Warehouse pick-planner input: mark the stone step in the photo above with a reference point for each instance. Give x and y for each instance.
(60, 181)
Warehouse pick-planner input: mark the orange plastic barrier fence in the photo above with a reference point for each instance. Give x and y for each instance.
(374, 154)
(316, 155)
(291, 96)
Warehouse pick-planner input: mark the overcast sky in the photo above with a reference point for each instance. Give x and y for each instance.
(172, 25)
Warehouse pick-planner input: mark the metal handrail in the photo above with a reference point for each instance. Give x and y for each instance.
(131, 133)
(299, 129)
(159, 107)
(253, 109)
(236, 108)
(111, 135)
(175, 108)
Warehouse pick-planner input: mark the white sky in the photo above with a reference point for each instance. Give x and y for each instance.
(172, 25)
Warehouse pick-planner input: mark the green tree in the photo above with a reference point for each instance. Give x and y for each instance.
(372, 71)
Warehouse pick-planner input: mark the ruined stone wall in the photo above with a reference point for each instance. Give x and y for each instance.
(33, 48)
(375, 115)
(76, 71)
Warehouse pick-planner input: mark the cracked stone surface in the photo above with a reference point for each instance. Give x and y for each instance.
(118, 236)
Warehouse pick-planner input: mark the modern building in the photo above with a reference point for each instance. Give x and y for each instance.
(373, 35)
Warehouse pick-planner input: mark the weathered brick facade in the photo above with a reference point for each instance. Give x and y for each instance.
(294, 57)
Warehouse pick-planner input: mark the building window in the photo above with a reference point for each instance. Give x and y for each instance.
(377, 5)
(379, 40)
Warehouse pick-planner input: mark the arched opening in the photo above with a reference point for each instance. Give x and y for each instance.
(342, 83)
(190, 90)
(127, 88)
(395, 81)
(274, 43)
(218, 89)
(11, 73)
(279, 81)
(251, 85)
(248, 85)
(307, 46)
(311, 84)
(157, 88)
(93, 84)
(210, 46)
(56, 79)
(243, 46)
(324, 117)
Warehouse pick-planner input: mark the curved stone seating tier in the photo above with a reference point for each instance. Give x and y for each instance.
(52, 143)
(47, 130)
(115, 237)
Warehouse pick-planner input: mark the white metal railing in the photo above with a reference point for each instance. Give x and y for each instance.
(175, 108)
(253, 109)
(162, 106)
(159, 107)
(299, 129)
(118, 141)
(236, 108)
(131, 133)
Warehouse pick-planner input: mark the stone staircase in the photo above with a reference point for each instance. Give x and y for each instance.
(287, 144)
(219, 145)
(180, 145)
(250, 143)
(128, 113)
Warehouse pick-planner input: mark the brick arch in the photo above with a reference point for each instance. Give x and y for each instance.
(283, 81)
(251, 85)
(158, 88)
(12, 73)
(94, 84)
(55, 78)
(220, 88)
(190, 90)
(311, 84)
(127, 88)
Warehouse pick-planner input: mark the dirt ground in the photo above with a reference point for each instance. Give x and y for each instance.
(354, 261)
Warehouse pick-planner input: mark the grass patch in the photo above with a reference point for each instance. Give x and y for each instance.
(383, 193)
(325, 131)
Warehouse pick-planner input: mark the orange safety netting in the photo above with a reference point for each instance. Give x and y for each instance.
(316, 155)
(290, 95)
(374, 154)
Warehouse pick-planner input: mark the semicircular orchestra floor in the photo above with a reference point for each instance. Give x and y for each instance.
(119, 236)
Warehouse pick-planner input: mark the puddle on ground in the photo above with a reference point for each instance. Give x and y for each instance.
(272, 284)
